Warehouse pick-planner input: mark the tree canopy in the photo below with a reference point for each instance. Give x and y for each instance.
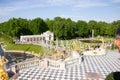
(61, 27)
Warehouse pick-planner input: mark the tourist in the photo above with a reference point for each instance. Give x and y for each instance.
(10, 73)
(16, 69)
(82, 58)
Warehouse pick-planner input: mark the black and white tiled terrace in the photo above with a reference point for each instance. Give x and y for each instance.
(103, 65)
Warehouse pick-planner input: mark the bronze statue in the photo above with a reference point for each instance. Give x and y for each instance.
(3, 73)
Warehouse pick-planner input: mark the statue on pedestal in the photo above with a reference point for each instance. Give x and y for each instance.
(3, 73)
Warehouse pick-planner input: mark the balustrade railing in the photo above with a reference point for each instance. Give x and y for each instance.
(71, 62)
(46, 63)
(27, 64)
(53, 64)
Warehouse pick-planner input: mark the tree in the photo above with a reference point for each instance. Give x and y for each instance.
(37, 26)
(70, 29)
(82, 28)
(58, 27)
(113, 76)
(61, 27)
(110, 30)
(92, 25)
(103, 27)
(49, 24)
(64, 28)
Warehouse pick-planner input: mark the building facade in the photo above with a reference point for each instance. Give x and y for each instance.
(46, 36)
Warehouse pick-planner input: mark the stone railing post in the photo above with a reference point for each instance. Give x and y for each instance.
(79, 59)
(13, 68)
(46, 63)
(62, 65)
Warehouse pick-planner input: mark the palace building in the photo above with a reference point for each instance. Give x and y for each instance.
(46, 36)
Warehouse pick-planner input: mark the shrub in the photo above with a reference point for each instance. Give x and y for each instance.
(113, 76)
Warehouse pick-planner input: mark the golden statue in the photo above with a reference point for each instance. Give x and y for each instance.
(3, 73)
(55, 53)
(102, 45)
(75, 46)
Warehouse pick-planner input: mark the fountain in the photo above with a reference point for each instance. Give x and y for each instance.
(95, 50)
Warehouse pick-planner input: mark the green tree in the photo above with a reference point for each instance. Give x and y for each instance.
(103, 27)
(37, 26)
(92, 25)
(49, 24)
(58, 27)
(82, 28)
(70, 29)
(61, 27)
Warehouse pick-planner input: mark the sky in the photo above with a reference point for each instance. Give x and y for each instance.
(99, 10)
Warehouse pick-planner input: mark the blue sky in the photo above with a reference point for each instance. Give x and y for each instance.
(99, 10)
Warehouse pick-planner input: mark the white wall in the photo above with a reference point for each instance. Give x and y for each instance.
(46, 35)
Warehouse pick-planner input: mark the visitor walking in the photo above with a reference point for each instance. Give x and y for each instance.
(16, 69)
(82, 57)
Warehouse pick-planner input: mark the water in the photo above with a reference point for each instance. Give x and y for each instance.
(14, 58)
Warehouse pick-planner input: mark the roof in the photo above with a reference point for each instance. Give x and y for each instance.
(48, 32)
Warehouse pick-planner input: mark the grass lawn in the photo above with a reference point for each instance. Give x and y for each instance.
(25, 47)
(8, 44)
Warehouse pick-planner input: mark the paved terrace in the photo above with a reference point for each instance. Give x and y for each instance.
(103, 65)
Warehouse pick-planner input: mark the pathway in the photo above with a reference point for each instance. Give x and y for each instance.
(103, 65)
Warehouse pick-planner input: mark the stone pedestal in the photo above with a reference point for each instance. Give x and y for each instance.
(46, 63)
(62, 65)
(13, 69)
(75, 54)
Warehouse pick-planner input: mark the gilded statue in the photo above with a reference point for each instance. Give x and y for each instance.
(75, 46)
(3, 73)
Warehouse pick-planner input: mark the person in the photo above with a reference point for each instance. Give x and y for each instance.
(3, 73)
(10, 73)
(117, 43)
(16, 69)
(117, 40)
(87, 48)
(82, 58)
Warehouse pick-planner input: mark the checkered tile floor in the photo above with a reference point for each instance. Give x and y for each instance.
(103, 65)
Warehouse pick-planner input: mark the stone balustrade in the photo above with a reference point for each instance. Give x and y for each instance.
(27, 64)
(60, 64)
(71, 62)
(98, 51)
(53, 64)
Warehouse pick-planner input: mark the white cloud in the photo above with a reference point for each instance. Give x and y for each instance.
(28, 4)
(20, 5)
(116, 1)
(61, 2)
(73, 17)
(78, 3)
(78, 17)
(6, 10)
(89, 5)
